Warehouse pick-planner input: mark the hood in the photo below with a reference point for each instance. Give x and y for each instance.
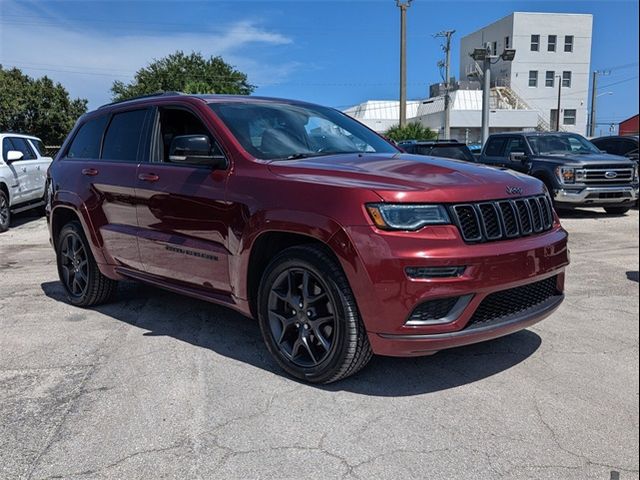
(409, 178)
(584, 159)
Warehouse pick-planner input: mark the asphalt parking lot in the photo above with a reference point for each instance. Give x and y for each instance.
(162, 386)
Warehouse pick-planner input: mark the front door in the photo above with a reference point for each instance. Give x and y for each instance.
(182, 213)
(517, 145)
(23, 188)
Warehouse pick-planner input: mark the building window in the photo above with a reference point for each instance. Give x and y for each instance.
(535, 43)
(507, 43)
(566, 79)
(569, 117)
(494, 48)
(533, 78)
(549, 79)
(568, 43)
(551, 45)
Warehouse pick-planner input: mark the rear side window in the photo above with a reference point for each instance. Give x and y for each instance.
(19, 144)
(495, 147)
(86, 143)
(123, 136)
(39, 146)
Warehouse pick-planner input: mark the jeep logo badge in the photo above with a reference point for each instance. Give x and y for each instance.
(514, 190)
(610, 174)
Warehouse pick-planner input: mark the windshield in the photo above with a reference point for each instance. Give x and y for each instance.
(282, 131)
(561, 144)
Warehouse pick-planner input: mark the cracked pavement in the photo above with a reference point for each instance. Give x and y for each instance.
(157, 385)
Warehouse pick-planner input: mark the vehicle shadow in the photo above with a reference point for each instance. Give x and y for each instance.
(587, 213)
(25, 217)
(230, 334)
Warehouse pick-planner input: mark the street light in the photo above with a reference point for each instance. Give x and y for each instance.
(488, 57)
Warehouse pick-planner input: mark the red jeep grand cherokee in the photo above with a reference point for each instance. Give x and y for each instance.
(297, 215)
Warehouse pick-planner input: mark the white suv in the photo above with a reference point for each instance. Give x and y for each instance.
(23, 175)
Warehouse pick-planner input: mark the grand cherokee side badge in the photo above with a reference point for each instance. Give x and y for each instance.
(514, 190)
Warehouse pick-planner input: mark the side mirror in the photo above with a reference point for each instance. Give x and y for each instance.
(195, 149)
(14, 156)
(518, 157)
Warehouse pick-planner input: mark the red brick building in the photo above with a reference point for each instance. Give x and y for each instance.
(629, 126)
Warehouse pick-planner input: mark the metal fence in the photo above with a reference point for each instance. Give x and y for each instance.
(51, 150)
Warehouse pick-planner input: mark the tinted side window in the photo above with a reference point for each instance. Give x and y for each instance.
(515, 145)
(123, 136)
(495, 147)
(39, 146)
(86, 143)
(457, 153)
(21, 145)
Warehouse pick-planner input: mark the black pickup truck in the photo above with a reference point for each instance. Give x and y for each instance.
(575, 172)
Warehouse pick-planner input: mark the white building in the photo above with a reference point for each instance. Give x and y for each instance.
(380, 115)
(548, 46)
(505, 114)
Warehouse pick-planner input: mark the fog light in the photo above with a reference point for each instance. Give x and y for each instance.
(434, 272)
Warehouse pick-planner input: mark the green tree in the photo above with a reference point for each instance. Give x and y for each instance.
(38, 107)
(411, 131)
(184, 73)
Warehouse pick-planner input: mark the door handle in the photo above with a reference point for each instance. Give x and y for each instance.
(89, 172)
(148, 177)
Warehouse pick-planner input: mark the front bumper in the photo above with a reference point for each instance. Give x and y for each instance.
(596, 195)
(386, 296)
(418, 345)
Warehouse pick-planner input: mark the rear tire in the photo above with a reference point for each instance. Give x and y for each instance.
(309, 318)
(5, 212)
(616, 210)
(83, 282)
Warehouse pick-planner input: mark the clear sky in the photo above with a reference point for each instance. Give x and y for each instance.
(337, 53)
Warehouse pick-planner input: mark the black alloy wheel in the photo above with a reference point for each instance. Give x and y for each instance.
(85, 285)
(302, 317)
(74, 264)
(5, 212)
(309, 318)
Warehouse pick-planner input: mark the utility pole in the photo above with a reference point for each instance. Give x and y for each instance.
(447, 34)
(403, 6)
(559, 77)
(486, 94)
(485, 55)
(592, 115)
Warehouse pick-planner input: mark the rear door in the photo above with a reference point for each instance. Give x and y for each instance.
(43, 164)
(182, 213)
(100, 165)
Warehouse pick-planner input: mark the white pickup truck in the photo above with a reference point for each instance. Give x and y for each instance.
(23, 175)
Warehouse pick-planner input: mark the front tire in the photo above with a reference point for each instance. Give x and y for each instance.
(5, 212)
(83, 282)
(616, 210)
(309, 318)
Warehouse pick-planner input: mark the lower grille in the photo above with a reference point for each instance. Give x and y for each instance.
(502, 304)
(503, 219)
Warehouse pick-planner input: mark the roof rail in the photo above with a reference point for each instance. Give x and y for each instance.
(149, 95)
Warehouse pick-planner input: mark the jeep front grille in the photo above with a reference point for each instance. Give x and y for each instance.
(503, 219)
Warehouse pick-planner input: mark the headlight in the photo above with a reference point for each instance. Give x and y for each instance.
(570, 175)
(406, 216)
